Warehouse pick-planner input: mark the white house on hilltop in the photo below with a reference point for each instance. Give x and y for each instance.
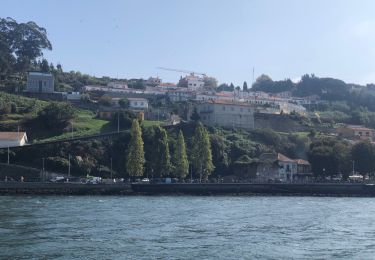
(38, 82)
(138, 103)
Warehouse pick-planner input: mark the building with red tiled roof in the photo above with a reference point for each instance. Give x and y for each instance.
(358, 132)
(12, 139)
(276, 166)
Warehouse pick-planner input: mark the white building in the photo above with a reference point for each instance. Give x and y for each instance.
(38, 82)
(180, 94)
(227, 114)
(192, 82)
(12, 139)
(138, 103)
(119, 85)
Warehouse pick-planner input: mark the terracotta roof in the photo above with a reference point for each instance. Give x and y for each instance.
(283, 158)
(358, 128)
(11, 135)
(224, 94)
(302, 162)
(227, 102)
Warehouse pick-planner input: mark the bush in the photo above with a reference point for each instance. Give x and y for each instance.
(56, 115)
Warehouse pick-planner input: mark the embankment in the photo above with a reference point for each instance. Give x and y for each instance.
(45, 188)
(311, 189)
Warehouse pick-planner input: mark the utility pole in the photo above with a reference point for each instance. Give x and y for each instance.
(43, 174)
(353, 167)
(111, 170)
(118, 122)
(69, 167)
(191, 173)
(72, 130)
(200, 174)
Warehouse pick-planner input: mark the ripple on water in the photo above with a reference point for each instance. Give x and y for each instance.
(186, 227)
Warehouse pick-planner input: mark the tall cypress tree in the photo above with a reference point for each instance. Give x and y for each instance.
(181, 167)
(135, 156)
(164, 155)
(201, 152)
(244, 87)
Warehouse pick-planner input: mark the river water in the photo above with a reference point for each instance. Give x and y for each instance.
(186, 227)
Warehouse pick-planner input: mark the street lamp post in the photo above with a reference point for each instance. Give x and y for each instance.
(353, 163)
(118, 122)
(69, 167)
(43, 174)
(111, 169)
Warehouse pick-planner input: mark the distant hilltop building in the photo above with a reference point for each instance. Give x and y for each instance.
(356, 132)
(153, 82)
(192, 82)
(38, 82)
(12, 139)
(119, 85)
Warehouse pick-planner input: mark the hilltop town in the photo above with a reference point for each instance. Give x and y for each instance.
(278, 131)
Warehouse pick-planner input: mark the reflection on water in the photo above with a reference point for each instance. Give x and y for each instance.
(186, 227)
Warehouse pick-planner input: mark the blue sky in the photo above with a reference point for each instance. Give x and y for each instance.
(225, 39)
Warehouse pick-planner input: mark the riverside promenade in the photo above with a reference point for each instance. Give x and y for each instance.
(48, 188)
(282, 189)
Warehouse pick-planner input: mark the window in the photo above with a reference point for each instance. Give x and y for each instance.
(136, 103)
(141, 103)
(241, 109)
(223, 108)
(232, 108)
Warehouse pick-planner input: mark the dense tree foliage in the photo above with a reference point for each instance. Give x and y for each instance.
(244, 87)
(201, 152)
(210, 82)
(20, 45)
(164, 158)
(329, 156)
(180, 159)
(135, 159)
(266, 84)
(56, 115)
(363, 156)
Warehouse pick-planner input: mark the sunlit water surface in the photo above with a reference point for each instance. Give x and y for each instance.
(186, 227)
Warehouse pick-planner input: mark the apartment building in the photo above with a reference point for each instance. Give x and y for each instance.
(227, 114)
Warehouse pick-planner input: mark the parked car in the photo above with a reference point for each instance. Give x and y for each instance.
(145, 180)
(93, 180)
(58, 179)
